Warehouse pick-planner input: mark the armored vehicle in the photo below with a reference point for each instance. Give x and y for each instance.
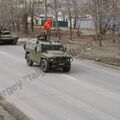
(48, 54)
(7, 37)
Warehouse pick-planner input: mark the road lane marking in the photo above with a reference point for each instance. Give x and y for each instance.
(2, 52)
(69, 77)
(11, 56)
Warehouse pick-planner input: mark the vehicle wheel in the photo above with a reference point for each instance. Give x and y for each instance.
(44, 65)
(67, 68)
(28, 60)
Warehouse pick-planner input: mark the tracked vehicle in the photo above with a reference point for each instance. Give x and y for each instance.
(7, 37)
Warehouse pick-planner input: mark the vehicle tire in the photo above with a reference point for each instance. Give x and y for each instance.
(67, 68)
(28, 60)
(44, 65)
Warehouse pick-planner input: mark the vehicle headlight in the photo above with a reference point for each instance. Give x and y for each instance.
(51, 59)
(68, 59)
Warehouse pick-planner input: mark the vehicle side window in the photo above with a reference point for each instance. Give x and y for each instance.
(44, 48)
(39, 49)
(58, 47)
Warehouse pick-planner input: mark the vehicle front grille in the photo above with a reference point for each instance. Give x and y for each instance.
(60, 59)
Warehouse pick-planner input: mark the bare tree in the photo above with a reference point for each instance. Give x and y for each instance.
(70, 18)
(54, 6)
(56, 18)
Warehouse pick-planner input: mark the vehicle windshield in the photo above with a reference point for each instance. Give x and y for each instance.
(52, 47)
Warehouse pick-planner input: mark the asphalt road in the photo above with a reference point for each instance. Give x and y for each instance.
(88, 92)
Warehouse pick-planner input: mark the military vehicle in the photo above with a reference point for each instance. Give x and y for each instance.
(7, 37)
(48, 54)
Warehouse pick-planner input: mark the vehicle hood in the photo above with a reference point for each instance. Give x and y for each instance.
(55, 53)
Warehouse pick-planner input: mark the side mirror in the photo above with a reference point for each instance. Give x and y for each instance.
(65, 48)
(24, 46)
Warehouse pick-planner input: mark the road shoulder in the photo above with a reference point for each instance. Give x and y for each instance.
(9, 112)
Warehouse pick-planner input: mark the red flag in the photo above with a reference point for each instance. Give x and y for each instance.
(48, 24)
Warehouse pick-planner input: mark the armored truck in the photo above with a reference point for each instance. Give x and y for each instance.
(48, 54)
(7, 37)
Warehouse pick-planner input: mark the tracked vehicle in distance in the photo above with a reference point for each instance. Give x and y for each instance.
(7, 37)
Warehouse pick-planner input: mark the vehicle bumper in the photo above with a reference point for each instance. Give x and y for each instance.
(59, 65)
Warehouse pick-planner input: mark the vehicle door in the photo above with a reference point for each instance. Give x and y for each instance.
(37, 55)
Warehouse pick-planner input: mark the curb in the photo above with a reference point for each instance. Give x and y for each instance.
(12, 110)
(108, 65)
(99, 63)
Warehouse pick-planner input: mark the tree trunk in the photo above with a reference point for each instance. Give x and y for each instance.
(18, 26)
(45, 9)
(56, 22)
(75, 21)
(99, 21)
(70, 17)
(32, 21)
(25, 23)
